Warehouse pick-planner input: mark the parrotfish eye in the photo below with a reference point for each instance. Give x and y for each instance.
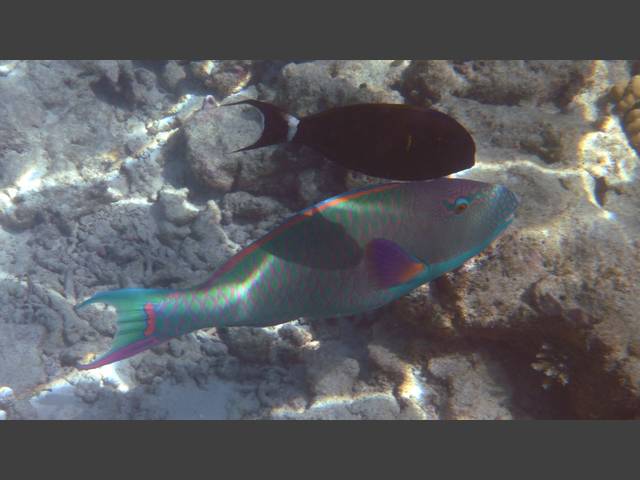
(460, 205)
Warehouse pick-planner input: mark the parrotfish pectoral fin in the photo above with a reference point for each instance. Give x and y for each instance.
(277, 124)
(390, 265)
(136, 322)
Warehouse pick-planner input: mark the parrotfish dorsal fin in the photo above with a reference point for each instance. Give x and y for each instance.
(278, 125)
(390, 265)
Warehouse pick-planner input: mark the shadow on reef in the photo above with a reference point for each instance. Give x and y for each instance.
(555, 366)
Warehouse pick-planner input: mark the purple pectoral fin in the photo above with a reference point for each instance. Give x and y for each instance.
(390, 265)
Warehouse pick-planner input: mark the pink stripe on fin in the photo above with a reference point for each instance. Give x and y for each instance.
(151, 319)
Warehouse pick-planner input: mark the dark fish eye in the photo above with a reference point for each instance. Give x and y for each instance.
(460, 205)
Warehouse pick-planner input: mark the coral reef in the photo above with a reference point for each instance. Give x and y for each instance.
(627, 96)
(120, 174)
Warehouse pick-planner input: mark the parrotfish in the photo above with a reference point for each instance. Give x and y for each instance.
(345, 255)
(396, 142)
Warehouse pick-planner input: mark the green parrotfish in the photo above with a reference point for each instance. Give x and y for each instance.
(396, 142)
(348, 254)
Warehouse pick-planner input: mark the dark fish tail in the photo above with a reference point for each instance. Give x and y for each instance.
(278, 125)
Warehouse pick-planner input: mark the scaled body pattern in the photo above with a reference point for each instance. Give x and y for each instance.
(348, 254)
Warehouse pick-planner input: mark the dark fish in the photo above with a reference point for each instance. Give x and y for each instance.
(399, 142)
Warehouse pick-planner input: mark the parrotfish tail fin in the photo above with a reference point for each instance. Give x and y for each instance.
(278, 126)
(136, 322)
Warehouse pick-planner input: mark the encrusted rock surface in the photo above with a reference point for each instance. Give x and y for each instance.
(120, 174)
(627, 96)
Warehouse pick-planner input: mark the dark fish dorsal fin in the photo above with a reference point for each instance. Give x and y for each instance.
(390, 265)
(276, 124)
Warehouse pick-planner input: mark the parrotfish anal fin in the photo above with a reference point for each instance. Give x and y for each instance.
(390, 265)
(276, 126)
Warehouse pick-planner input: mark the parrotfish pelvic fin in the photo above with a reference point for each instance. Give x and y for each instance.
(278, 125)
(389, 265)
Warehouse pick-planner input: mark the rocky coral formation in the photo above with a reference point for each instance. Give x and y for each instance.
(510, 82)
(627, 96)
(119, 174)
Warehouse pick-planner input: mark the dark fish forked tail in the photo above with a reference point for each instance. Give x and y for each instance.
(278, 125)
(136, 322)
